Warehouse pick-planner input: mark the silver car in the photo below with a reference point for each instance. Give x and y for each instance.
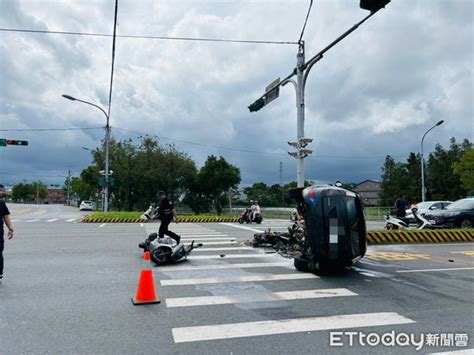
(427, 206)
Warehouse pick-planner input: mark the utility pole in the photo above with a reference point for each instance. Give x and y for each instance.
(281, 183)
(423, 188)
(68, 187)
(301, 71)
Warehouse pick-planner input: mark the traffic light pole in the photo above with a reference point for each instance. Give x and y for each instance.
(301, 72)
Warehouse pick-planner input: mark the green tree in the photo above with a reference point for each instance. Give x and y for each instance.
(464, 169)
(215, 179)
(442, 182)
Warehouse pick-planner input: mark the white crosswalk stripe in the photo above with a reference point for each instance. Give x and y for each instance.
(255, 297)
(203, 268)
(52, 220)
(233, 279)
(285, 326)
(226, 266)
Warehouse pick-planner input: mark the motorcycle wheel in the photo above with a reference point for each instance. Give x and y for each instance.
(241, 220)
(301, 264)
(259, 220)
(160, 256)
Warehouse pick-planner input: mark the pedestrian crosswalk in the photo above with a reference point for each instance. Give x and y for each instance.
(233, 275)
(46, 220)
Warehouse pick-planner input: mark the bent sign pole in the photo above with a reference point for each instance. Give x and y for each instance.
(301, 71)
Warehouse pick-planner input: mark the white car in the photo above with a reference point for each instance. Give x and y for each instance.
(86, 206)
(427, 206)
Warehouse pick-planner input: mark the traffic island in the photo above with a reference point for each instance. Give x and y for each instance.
(182, 219)
(421, 236)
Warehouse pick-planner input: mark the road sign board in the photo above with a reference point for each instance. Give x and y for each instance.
(272, 91)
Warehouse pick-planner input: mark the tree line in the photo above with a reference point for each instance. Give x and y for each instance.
(449, 174)
(142, 169)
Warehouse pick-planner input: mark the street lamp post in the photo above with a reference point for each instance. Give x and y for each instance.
(423, 188)
(301, 71)
(107, 138)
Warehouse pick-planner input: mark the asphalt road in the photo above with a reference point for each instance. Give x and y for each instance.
(67, 289)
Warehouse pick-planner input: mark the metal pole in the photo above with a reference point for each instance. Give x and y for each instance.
(68, 187)
(106, 182)
(300, 112)
(423, 192)
(423, 188)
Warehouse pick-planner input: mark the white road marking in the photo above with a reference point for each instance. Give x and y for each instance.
(286, 326)
(249, 278)
(103, 224)
(218, 243)
(242, 227)
(51, 220)
(15, 220)
(71, 220)
(199, 238)
(232, 256)
(141, 224)
(434, 270)
(226, 266)
(32, 220)
(221, 249)
(201, 235)
(257, 297)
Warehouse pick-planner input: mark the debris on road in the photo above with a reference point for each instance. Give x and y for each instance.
(287, 244)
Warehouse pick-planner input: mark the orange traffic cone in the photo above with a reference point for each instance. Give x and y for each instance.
(146, 286)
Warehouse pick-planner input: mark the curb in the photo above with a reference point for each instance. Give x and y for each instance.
(190, 219)
(422, 236)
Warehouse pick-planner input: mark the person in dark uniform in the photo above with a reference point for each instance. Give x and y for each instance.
(167, 214)
(5, 218)
(401, 206)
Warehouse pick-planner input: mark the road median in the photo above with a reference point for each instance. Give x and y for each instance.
(421, 236)
(182, 219)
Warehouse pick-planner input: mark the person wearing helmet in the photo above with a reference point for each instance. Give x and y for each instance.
(167, 214)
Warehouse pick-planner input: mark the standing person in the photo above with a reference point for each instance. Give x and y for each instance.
(167, 214)
(5, 218)
(401, 206)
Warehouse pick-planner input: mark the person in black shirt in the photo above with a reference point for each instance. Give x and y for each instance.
(167, 214)
(401, 206)
(4, 218)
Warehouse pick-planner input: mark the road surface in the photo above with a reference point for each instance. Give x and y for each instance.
(67, 289)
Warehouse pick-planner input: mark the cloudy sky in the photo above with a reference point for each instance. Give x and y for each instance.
(374, 94)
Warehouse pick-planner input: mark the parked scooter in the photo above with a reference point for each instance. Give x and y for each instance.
(150, 214)
(395, 223)
(248, 217)
(166, 250)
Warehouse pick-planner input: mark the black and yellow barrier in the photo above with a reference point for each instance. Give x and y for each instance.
(184, 219)
(421, 236)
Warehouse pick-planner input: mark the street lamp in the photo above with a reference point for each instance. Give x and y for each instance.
(301, 71)
(423, 189)
(107, 138)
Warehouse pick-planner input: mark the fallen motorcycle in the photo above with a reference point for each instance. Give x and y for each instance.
(150, 214)
(166, 250)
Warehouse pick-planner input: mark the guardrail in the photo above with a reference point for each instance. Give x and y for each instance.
(422, 236)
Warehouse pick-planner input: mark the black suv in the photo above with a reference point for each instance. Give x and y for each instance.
(459, 214)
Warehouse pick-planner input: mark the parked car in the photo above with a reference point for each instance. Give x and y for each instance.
(86, 206)
(427, 206)
(459, 214)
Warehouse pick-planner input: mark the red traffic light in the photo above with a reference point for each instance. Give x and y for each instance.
(16, 142)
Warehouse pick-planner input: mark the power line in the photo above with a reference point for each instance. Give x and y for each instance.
(167, 38)
(113, 62)
(49, 129)
(259, 152)
(305, 21)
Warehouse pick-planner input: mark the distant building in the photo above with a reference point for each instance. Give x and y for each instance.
(55, 195)
(369, 191)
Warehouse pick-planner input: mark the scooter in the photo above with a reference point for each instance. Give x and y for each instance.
(166, 250)
(150, 214)
(394, 223)
(247, 215)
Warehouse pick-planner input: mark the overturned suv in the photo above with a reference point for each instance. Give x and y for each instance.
(335, 230)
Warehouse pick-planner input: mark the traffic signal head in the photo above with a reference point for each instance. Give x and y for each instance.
(373, 5)
(3, 142)
(16, 142)
(257, 105)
